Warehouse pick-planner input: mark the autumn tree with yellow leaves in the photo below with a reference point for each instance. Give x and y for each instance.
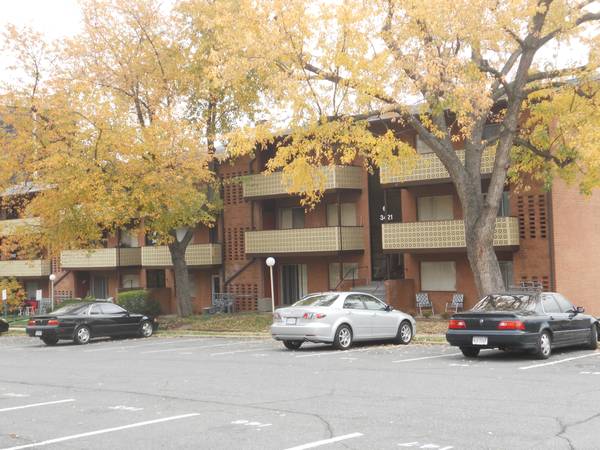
(445, 69)
(117, 126)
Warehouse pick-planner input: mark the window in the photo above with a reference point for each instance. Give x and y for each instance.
(128, 238)
(110, 308)
(506, 303)
(95, 310)
(373, 304)
(564, 304)
(491, 130)
(439, 207)
(506, 268)
(291, 218)
(318, 300)
(155, 279)
(549, 304)
(347, 214)
(504, 208)
(130, 281)
(353, 302)
(349, 272)
(438, 276)
(421, 147)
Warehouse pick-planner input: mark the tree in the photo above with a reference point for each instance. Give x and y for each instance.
(119, 124)
(464, 64)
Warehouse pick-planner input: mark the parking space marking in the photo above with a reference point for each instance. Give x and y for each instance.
(334, 352)
(426, 357)
(13, 394)
(560, 361)
(125, 408)
(240, 351)
(326, 441)
(33, 405)
(103, 431)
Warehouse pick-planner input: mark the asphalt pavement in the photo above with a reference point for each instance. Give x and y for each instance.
(251, 393)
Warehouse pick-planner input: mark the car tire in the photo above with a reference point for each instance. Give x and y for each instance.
(82, 335)
(470, 352)
(405, 333)
(50, 340)
(146, 329)
(343, 337)
(593, 345)
(543, 348)
(292, 345)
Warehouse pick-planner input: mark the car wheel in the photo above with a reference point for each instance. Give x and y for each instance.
(343, 337)
(470, 352)
(292, 345)
(593, 345)
(543, 348)
(50, 340)
(405, 333)
(82, 335)
(146, 329)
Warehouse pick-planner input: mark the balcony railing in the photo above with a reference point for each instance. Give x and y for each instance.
(443, 234)
(195, 255)
(304, 240)
(272, 185)
(102, 258)
(428, 167)
(8, 227)
(25, 268)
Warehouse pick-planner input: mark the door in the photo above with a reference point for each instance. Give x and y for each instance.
(559, 321)
(578, 325)
(100, 324)
(384, 322)
(293, 283)
(99, 286)
(359, 317)
(118, 321)
(31, 287)
(215, 283)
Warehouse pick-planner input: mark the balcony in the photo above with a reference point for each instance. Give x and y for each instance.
(443, 234)
(429, 168)
(272, 185)
(304, 240)
(196, 255)
(25, 268)
(8, 227)
(102, 258)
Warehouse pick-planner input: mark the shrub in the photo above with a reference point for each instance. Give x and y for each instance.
(427, 314)
(139, 302)
(445, 315)
(15, 294)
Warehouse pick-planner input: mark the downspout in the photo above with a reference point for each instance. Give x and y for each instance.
(551, 242)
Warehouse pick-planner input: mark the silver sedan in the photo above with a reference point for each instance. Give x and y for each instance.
(340, 318)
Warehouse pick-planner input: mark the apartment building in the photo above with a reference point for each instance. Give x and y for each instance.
(394, 233)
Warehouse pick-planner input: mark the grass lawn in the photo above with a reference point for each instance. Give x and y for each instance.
(260, 322)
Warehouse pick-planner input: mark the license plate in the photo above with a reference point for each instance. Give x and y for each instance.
(38, 333)
(290, 321)
(480, 340)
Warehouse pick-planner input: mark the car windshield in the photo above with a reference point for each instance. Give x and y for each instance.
(75, 308)
(506, 302)
(317, 300)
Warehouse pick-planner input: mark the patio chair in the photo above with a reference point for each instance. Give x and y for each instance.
(458, 301)
(424, 302)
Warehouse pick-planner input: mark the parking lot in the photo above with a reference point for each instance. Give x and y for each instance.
(213, 393)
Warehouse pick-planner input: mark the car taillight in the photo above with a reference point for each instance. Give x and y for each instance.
(314, 316)
(457, 324)
(52, 322)
(511, 325)
(31, 322)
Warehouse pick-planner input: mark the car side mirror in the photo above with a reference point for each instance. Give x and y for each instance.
(579, 310)
(389, 307)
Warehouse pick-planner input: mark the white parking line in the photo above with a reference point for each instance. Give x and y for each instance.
(326, 441)
(197, 347)
(560, 361)
(334, 352)
(426, 357)
(240, 351)
(103, 431)
(33, 405)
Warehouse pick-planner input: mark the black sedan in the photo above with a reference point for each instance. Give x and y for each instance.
(80, 322)
(538, 322)
(3, 325)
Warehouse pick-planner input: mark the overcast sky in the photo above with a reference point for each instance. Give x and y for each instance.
(54, 18)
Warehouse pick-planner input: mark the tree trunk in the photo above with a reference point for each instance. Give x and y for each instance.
(482, 258)
(183, 292)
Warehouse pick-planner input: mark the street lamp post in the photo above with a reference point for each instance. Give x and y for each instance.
(271, 262)
(52, 279)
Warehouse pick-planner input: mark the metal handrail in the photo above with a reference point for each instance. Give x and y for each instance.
(346, 274)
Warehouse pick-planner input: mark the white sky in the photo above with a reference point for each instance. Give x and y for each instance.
(54, 18)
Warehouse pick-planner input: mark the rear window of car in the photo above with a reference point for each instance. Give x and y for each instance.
(75, 308)
(506, 303)
(317, 300)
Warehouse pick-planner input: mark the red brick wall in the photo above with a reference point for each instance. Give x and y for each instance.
(575, 223)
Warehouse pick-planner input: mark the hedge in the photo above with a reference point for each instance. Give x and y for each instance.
(139, 302)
